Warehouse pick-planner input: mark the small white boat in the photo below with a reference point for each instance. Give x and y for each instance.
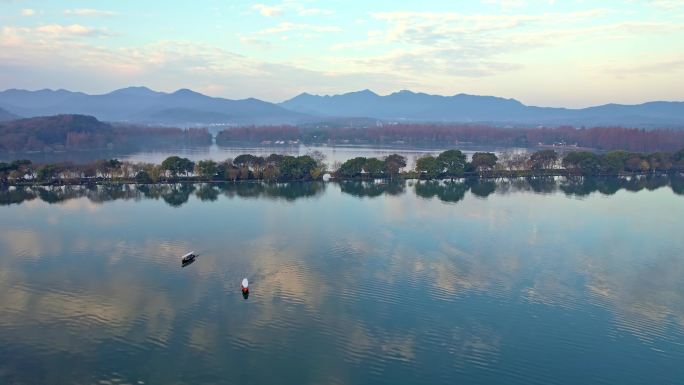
(245, 286)
(189, 257)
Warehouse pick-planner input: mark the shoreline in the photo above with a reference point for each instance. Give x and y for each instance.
(449, 165)
(523, 174)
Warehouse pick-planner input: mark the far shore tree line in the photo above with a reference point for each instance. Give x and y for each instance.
(599, 138)
(81, 133)
(274, 168)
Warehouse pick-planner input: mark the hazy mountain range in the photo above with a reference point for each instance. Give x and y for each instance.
(5, 116)
(186, 107)
(411, 106)
(142, 105)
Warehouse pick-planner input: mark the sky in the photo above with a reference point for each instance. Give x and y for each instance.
(573, 53)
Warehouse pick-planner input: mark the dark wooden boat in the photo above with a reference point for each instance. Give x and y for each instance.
(189, 257)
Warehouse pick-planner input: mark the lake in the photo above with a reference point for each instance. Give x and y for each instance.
(525, 281)
(215, 152)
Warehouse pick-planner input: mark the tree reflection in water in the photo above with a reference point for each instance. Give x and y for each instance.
(371, 189)
(452, 191)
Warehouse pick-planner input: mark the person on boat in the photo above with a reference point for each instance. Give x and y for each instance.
(245, 286)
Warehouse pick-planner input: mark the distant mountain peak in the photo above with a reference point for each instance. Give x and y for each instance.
(134, 91)
(185, 106)
(143, 105)
(365, 92)
(407, 105)
(186, 92)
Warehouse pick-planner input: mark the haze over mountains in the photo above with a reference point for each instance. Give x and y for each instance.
(186, 107)
(142, 105)
(463, 108)
(5, 116)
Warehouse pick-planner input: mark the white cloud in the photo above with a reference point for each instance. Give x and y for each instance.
(290, 27)
(284, 32)
(653, 68)
(290, 5)
(438, 48)
(253, 41)
(28, 12)
(505, 4)
(667, 4)
(27, 58)
(497, 53)
(58, 30)
(89, 12)
(267, 11)
(314, 12)
(429, 65)
(491, 35)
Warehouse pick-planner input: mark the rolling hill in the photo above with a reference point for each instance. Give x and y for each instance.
(407, 106)
(187, 108)
(6, 116)
(142, 105)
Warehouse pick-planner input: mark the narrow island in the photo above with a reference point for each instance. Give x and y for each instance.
(449, 164)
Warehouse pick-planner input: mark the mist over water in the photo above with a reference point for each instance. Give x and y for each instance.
(214, 152)
(524, 281)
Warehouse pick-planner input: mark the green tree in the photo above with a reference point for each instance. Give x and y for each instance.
(678, 160)
(154, 170)
(484, 160)
(452, 162)
(614, 162)
(46, 172)
(108, 167)
(543, 160)
(319, 157)
(298, 168)
(429, 167)
(275, 159)
(206, 169)
(4, 171)
(307, 165)
(232, 172)
(352, 167)
(374, 167)
(244, 160)
(393, 164)
(321, 167)
(587, 163)
(634, 163)
(176, 165)
(15, 170)
(660, 161)
(678, 156)
(271, 172)
(143, 177)
(244, 174)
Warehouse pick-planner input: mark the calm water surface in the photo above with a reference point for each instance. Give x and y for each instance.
(220, 153)
(544, 281)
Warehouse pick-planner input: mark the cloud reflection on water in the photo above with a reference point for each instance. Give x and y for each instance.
(377, 278)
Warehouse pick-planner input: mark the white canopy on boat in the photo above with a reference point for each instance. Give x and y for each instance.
(245, 283)
(188, 254)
